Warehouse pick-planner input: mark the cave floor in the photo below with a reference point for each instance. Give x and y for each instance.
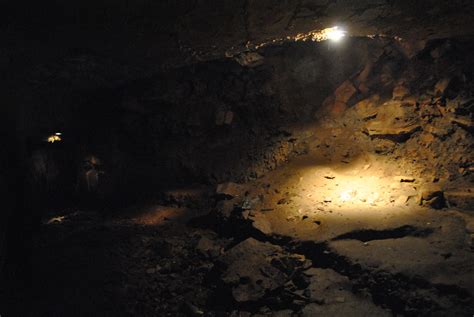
(314, 237)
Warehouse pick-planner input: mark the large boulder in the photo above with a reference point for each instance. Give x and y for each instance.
(395, 120)
(249, 270)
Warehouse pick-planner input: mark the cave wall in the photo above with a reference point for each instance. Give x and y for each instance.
(229, 119)
(212, 122)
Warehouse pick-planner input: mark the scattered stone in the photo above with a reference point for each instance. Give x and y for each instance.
(229, 190)
(432, 195)
(250, 59)
(405, 179)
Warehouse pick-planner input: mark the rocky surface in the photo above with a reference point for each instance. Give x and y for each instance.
(360, 202)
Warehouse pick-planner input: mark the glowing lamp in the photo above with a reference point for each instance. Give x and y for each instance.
(54, 138)
(335, 34)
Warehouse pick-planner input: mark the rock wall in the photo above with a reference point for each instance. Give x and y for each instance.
(236, 119)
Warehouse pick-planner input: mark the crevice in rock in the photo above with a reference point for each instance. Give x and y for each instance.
(410, 296)
(397, 292)
(396, 233)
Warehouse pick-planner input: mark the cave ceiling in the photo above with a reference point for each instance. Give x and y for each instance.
(177, 32)
(117, 41)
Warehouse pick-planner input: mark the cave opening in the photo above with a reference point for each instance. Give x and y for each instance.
(161, 162)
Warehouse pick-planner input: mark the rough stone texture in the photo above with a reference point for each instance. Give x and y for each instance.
(333, 295)
(249, 270)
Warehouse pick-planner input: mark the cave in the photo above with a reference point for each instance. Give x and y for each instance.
(237, 158)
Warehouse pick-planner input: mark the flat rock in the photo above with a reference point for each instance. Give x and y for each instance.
(249, 270)
(261, 223)
(394, 121)
(333, 295)
(440, 258)
(381, 129)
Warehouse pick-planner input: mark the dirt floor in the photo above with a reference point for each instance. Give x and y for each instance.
(335, 232)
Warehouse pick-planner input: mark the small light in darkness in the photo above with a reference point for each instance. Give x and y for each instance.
(335, 34)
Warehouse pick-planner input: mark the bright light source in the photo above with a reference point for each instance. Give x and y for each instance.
(345, 196)
(335, 34)
(54, 138)
(58, 133)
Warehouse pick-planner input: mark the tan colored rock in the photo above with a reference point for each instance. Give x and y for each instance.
(426, 138)
(441, 86)
(400, 92)
(464, 122)
(367, 108)
(261, 223)
(432, 195)
(229, 190)
(345, 92)
(381, 130)
(394, 122)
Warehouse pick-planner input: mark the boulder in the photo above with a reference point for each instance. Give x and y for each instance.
(229, 190)
(250, 59)
(379, 129)
(249, 271)
(345, 92)
(394, 121)
(432, 195)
